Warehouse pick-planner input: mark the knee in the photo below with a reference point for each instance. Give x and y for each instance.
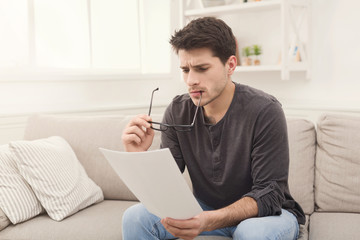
(133, 215)
(248, 231)
(139, 223)
(273, 227)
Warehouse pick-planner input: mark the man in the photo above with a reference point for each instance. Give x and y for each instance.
(236, 151)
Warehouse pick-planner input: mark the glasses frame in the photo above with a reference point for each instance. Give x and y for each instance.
(183, 128)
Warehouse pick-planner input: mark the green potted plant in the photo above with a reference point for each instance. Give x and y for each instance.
(247, 52)
(257, 52)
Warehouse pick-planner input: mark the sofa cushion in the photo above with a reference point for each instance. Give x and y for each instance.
(334, 226)
(302, 160)
(86, 134)
(102, 221)
(56, 176)
(99, 222)
(17, 199)
(338, 164)
(304, 229)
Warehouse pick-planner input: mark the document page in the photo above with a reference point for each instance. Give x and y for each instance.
(156, 180)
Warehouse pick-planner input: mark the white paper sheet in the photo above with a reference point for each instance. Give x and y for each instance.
(156, 180)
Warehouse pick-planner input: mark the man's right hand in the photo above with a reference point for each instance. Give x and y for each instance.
(138, 136)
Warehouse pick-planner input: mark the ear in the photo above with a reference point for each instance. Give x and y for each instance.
(231, 63)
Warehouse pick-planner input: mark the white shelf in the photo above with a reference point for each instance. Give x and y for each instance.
(271, 68)
(301, 66)
(261, 68)
(233, 8)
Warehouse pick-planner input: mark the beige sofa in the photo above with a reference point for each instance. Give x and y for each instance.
(324, 177)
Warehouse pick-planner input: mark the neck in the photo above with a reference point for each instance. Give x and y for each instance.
(217, 109)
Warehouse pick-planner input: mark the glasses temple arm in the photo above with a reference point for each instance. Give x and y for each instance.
(152, 96)
(197, 109)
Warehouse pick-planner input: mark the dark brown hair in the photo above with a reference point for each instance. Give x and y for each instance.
(206, 32)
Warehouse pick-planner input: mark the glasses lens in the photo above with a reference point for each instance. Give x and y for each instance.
(158, 126)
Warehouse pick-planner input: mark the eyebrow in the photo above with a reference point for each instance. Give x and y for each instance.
(196, 66)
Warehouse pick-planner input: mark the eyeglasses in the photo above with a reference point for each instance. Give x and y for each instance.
(163, 126)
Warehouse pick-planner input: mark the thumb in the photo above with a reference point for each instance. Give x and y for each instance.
(150, 131)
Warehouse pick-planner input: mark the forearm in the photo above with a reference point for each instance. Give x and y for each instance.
(233, 214)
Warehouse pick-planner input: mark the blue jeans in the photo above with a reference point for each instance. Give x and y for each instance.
(140, 224)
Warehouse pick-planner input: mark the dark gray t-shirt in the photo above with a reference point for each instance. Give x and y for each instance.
(245, 154)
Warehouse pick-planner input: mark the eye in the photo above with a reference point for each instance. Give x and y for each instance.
(202, 69)
(185, 70)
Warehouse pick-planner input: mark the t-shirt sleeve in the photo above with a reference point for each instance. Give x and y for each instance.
(270, 160)
(170, 140)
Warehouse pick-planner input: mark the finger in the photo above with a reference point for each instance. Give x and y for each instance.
(184, 233)
(183, 224)
(141, 120)
(134, 134)
(131, 139)
(145, 117)
(150, 131)
(136, 130)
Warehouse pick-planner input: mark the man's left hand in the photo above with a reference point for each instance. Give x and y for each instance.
(186, 229)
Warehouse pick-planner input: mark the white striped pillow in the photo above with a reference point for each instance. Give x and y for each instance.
(17, 200)
(57, 177)
(4, 221)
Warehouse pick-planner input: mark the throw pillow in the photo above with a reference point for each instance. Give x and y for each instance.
(17, 200)
(58, 179)
(4, 221)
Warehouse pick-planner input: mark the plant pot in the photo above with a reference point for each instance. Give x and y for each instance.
(256, 62)
(213, 3)
(247, 61)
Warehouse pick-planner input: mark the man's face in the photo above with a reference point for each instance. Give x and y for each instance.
(204, 74)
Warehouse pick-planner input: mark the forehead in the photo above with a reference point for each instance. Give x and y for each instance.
(197, 56)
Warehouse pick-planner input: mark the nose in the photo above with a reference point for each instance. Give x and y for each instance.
(192, 78)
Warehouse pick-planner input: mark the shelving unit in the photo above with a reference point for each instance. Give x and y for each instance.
(233, 8)
(261, 68)
(289, 25)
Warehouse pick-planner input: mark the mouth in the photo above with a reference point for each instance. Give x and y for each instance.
(196, 93)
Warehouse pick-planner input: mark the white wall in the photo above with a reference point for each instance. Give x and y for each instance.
(45, 96)
(335, 81)
(18, 100)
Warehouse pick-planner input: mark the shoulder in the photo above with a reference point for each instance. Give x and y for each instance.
(255, 103)
(254, 97)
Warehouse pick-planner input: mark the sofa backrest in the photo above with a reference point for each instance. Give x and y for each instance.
(302, 146)
(86, 135)
(337, 178)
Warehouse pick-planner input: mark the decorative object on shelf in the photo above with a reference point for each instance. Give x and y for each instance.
(194, 4)
(213, 3)
(247, 52)
(229, 2)
(294, 53)
(257, 52)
